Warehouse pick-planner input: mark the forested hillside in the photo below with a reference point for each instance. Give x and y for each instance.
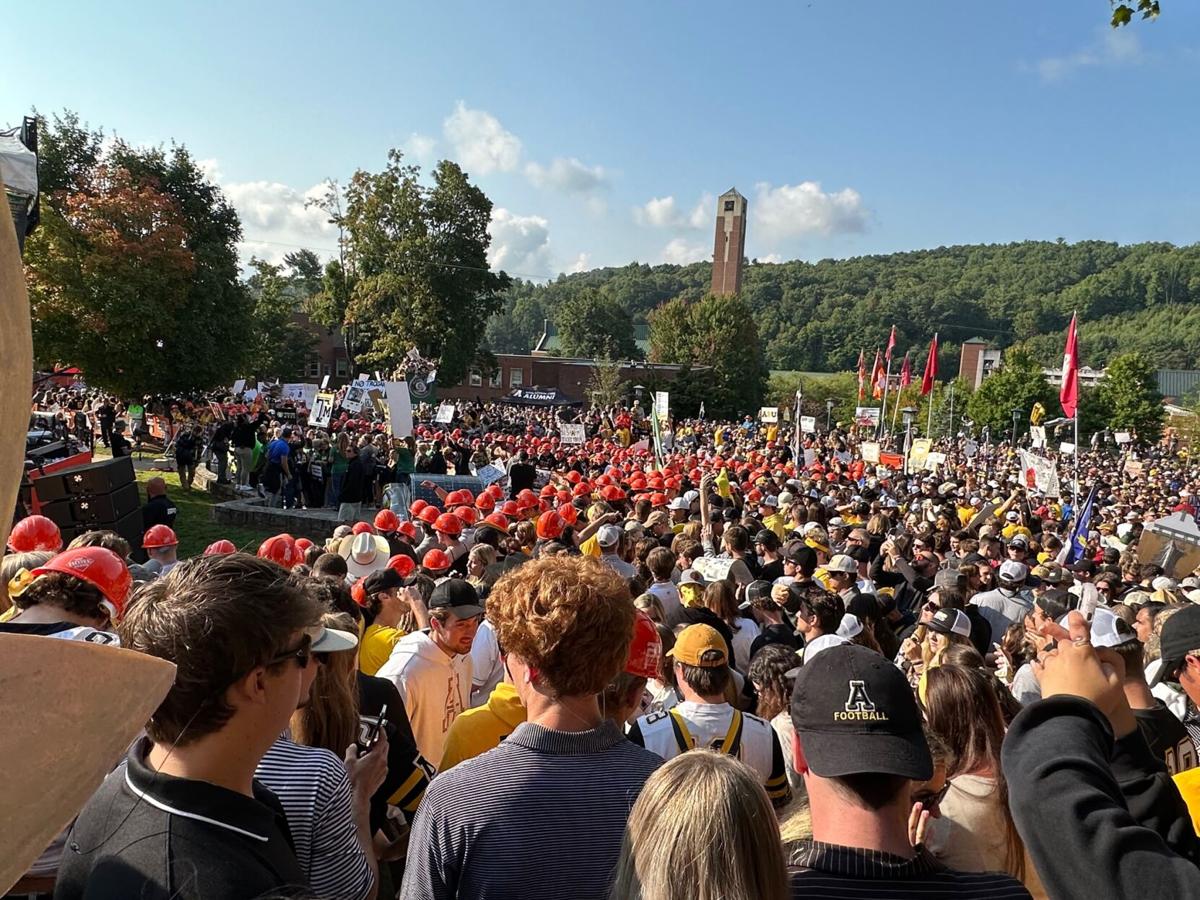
(816, 316)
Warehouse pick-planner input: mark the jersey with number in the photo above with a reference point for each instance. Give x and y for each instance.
(720, 727)
(1168, 739)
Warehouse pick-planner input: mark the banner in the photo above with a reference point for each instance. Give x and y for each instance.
(866, 416)
(1134, 468)
(808, 424)
(1066, 447)
(768, 414)
(445, 414)
(399, 404)
(918, 451)
(870, 452)
(933, 460)
(1122, 437)
(662, 404)
(321, 411)
(300, 393)
(1039, 474)
(571, 433)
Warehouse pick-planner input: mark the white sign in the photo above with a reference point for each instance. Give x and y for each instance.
(808, 424)
(322, 411)
(810, 456)
(399, 404)
(768, 414)
(1123, 437)
(934, 459)
(488, 474)
(1037, 434)
(300, 393)
(356, 394)
(250, 396)
(1066, 447)
(662, 404)
(571, 432)
(445, 414)
(239, 385)
(1039, 473)
(866, 416)
(970, 448)
(870, 452)
(712, 569)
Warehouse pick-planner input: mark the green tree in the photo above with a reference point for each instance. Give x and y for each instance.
(134, 273)
(281, 344)
(1017, 385)
(719, 332)
(1122, 13)
(1129, 397)
(605, 385)
(592, 324)
(418, 255)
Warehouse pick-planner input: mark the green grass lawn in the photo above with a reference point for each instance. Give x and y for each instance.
(194, 524)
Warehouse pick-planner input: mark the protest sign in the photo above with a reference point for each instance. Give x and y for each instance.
(399, 404)
(490, 474)
(917, 452)
(768, 414)
(712, 569)
(571, 433)
(662, 404)
(322, 410)
(239, 385)
(445, 414)
(808, 424)
(866, 416)
(1066, 447)
(870, 451)
(1039, 474)
(1037, 435)
(1122, 437)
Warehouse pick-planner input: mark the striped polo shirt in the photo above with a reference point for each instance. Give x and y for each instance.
(822, 871)
(314, 791)
(540, 816)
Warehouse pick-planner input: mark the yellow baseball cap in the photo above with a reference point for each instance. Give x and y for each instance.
(697, 645)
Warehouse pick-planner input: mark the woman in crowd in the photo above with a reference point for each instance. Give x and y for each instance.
(719, 598)
(701, 828)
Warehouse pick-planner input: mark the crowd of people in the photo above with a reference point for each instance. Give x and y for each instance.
(717, 667)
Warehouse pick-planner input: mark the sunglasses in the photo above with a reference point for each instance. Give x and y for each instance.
(930, 800)
(930, 606)
(301, 653)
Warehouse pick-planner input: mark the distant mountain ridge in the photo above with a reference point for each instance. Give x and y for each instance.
(817, 316)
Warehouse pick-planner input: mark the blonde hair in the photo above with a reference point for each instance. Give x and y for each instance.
(701, 829)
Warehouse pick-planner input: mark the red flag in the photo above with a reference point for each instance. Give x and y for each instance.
(891, 345)
(905, 373)
(930, 368)
(878, 377)
(1068, 395)
(862, 375)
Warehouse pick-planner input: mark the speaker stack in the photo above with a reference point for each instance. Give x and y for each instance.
(98, 496)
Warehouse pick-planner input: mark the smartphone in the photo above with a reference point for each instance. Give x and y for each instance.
(370, 737)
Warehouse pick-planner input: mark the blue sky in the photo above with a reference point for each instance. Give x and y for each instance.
(602, 132)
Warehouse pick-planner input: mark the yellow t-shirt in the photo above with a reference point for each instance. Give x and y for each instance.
(478, 730)
(590, 547)
(1012, 529)
(1188, 782)
(778, 524)
(376, 646)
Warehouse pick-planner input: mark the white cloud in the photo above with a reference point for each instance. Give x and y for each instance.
(582, 263)
(421, 148)
(774, 258)
(804, 209)
(1120, 46)
(665, 212)
(481, 144)
(568, 175)
(681, 252)
(520, 244)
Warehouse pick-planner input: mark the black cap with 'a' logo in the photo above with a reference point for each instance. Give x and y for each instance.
(855, 713)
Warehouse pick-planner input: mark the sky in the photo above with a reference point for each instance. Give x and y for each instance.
(604, 132)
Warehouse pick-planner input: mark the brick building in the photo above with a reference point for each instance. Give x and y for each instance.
(729, 244)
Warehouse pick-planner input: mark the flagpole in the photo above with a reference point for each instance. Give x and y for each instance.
(887, 382)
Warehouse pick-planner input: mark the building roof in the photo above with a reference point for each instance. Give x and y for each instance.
(1177, 382)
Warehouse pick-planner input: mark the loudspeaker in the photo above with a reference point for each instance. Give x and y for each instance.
(101, 477)
(94, 509)
(128, 527)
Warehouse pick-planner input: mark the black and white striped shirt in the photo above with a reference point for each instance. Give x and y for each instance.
(314, 790)
(831, 872)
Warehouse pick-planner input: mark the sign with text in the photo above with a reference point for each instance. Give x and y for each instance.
(808, 424)
(1066, 447)
(662, 404)
(571, 432)
(490, 474)
(918, 451)
(866, 416)
(870, 451)
(1123, 437)
(769, 414)
(712, 569)
(322, 410)
(1039, 473)
(445, 414)
(1037, 435)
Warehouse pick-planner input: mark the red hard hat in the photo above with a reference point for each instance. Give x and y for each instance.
(468, 514)
(216, 548)
(403, 565)
(429, 515)
(362, 528)
(280, 549)
(303, 545)
(99, 567)
(436, 560)
(35, 533)
(658, 500)
(159, 536)
(568, 513)
(448, 523)
(386, 520)
(549, 526)
(485, 502)
(408, 529)
(499, 521)
(417, 507)
(582, 489)
(454, 498)
(526, 493)
(524, 504)
(547, 491)
(358, 592)
(645, 650)
(511, 509)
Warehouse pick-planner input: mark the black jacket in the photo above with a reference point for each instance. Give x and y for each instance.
(1099, 818)
(243, 435)
(158, 511)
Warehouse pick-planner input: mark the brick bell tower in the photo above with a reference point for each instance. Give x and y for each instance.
(729, 247)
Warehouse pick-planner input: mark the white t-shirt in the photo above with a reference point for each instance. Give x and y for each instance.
(668, 595)
(743, 638)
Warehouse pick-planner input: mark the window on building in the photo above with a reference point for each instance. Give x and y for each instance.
(313, 368)
(343, 368)
(476, 378)
(516, 377)
(497, 379)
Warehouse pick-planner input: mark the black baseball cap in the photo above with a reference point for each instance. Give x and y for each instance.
(1180, 635)
(1084, 567)
(384, 580)
(457, 595)
(855, 713)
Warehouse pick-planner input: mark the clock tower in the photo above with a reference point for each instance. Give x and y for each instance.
(729, 250)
